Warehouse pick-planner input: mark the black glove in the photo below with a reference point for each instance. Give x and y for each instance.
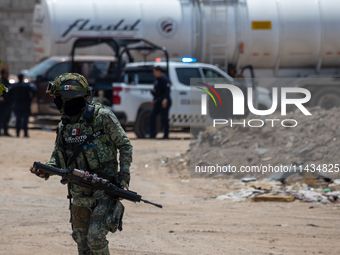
(46, 175)
(124, 180)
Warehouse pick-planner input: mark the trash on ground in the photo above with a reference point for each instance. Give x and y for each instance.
(241, 195)
(261, 191)
(272, 198)
(263, 185)
(248, 179)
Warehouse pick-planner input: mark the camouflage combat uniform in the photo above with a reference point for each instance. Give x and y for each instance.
(99, 155)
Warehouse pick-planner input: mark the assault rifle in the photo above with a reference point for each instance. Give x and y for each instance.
(86, 180)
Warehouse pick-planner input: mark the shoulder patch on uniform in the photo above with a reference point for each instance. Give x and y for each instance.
(113, 117)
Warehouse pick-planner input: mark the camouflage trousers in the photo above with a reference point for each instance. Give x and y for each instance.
(92, 241)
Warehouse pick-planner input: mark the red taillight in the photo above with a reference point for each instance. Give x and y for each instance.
(115, 95)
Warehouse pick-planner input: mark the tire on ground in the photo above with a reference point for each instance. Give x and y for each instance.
(142, 124)
(326, 97)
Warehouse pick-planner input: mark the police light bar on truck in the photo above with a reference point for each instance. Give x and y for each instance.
(188, 60)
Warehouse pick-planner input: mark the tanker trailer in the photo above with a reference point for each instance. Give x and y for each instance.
(280, 39)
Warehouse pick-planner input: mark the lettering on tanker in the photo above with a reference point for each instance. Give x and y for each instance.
(83, 25)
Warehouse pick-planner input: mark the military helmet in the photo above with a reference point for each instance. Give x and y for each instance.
(69, 85)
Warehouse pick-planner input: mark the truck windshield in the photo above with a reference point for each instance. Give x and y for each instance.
(40, 68)
(185, 74)
(145, 75)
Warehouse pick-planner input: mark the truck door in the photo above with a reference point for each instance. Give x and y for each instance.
(101, 75)
(180, 91)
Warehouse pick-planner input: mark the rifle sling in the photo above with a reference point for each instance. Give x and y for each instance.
(69, 195)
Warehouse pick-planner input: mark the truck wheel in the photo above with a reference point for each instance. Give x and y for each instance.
(142, 125)
(326, 98)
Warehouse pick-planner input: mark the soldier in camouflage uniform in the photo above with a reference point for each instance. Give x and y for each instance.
(88, 137)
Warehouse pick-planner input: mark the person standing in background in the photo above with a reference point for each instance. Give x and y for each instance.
(22, 94)
(231, 70)
(5, 104)
(161, 102)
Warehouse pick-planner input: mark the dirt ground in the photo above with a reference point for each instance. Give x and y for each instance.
(34, 213)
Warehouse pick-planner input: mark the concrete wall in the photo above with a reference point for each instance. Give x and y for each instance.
(16, 34)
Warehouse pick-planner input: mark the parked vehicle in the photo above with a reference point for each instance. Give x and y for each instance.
(132, 102)
(100, 71)
(92, 67)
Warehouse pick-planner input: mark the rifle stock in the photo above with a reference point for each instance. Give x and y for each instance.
(84, 179)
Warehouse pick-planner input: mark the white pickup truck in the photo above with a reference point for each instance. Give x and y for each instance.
(132, 99)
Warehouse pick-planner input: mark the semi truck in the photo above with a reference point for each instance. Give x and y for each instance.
(298, 40)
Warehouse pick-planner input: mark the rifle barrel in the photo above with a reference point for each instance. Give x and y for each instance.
(151, 203)
(82, 178)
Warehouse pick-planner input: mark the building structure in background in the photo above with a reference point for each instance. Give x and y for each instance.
(16, 33)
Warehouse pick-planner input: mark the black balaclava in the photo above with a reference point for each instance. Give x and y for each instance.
(70, 107)
(58, 102)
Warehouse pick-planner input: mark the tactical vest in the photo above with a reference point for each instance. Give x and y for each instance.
(84, 145)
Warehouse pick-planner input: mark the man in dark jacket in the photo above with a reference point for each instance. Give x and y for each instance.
(5, 104)
(161, 102)
(22, 94)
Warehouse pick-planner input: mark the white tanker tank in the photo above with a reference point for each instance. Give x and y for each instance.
(287, 38)
(268, 34)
